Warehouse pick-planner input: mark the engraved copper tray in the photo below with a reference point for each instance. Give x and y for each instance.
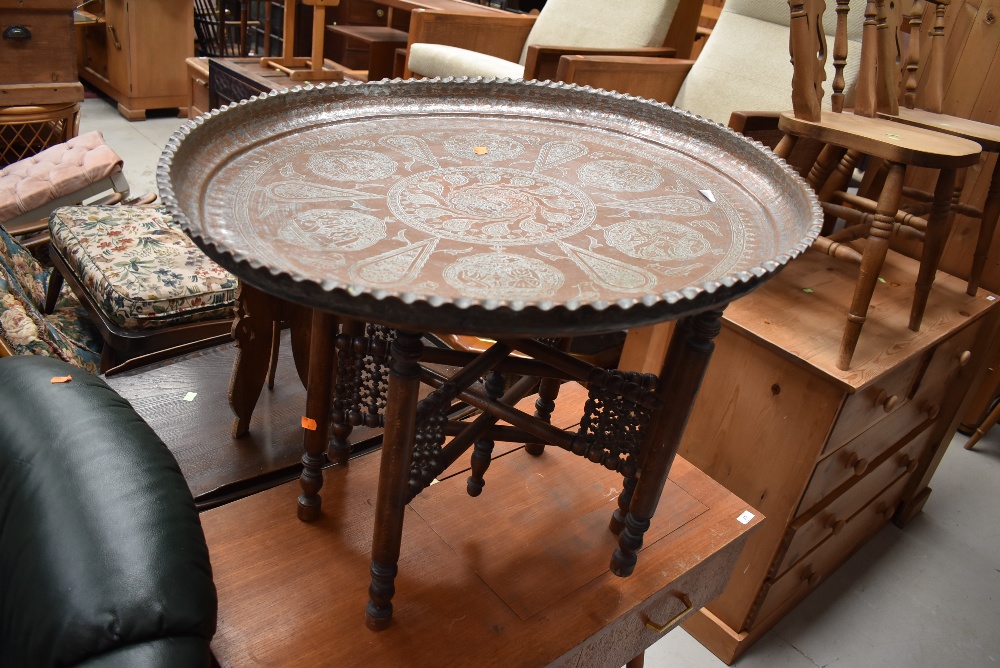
(485, 206)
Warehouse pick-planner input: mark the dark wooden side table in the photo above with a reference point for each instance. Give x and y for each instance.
(529, 212)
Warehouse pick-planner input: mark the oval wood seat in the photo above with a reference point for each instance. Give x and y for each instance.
(984, 134)
(882, 138)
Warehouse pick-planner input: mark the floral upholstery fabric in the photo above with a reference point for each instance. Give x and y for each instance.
(66, 333)
(140, 266)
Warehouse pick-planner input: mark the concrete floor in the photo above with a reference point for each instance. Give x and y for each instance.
(927, 596)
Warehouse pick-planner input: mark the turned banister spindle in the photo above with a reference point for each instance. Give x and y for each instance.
(933, 93)
(916, 19)
(887, 71)
(840, 56)
(808, 46)
(864, 102)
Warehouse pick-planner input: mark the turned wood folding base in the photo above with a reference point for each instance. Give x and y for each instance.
(626, 426)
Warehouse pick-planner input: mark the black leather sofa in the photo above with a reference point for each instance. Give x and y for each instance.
(102, 558)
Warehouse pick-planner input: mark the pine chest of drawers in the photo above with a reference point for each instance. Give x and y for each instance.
(828, 456)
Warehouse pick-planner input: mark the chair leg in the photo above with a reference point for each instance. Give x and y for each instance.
(984, 427)
(871, 263)
(987, 225)
(935, 237)
(52, 292)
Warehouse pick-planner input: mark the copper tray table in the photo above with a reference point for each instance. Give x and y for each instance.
(528, 212)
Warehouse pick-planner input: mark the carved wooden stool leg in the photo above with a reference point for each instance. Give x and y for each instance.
(343, 403)
(871, 263)
(987, 226)
(393, 484)
(482, 452)
(272, 367)
(548, 392)
(255, 313)
(624, 500)
(321, 335)
(935, 237)
(683, 369)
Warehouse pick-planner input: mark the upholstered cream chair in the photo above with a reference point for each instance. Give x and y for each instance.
(744, 65)
(444, 44)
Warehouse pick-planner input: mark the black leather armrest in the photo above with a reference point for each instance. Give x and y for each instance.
(100, 544)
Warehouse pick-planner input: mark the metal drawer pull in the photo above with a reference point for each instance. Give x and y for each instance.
(19, 33)
(114, 37)
(688, 607)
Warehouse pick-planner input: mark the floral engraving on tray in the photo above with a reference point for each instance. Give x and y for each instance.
(619, 176)
(496, 147)
(491, 205)
(503, 276)
(333, 229)
(661, 240)
(351, 165)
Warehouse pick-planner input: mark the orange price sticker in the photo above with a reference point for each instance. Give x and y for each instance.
(479, 150)
(61, 379)
(308, 423)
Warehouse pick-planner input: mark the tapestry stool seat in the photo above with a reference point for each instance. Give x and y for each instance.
(144, 282)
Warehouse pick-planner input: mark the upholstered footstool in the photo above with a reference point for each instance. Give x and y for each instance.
(146, 286)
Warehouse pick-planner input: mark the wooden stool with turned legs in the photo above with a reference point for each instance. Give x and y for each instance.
(863, 133)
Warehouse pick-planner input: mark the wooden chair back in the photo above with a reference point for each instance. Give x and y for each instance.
(924, 80)
(878, 76)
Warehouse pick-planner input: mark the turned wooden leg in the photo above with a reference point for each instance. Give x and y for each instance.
(253, 331)
(548, 392)
(624, 500)
(393, 482)
(987, 226)
(935, 237)
(835, 181)
(785, 146)
(680, 377)
(871, 263)
(826, 162)
(482, 452)
(340, 423)
(272, 367)
(318, 393)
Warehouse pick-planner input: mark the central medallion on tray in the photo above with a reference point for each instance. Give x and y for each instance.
(493, 206)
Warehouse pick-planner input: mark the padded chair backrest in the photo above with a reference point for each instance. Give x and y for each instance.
(602, 24)
(745, 64)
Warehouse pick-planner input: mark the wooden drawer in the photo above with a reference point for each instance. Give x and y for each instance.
(874, 403)
(37, 46)
(809, 571)
(952, 361)
(856, 459)
(363, 13)
(830, 519)
(198, 74)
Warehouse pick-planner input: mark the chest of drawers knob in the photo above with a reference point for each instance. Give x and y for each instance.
(886, 401)
(965, 358)
(858, 464)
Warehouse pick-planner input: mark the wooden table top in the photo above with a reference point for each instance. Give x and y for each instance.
(459, 206)
(472, 590)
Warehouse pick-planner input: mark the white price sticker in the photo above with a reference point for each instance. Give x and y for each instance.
(745, 517)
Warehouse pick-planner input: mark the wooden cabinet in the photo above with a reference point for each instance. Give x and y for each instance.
(828, 456)
(136, 53)
(36, 49)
